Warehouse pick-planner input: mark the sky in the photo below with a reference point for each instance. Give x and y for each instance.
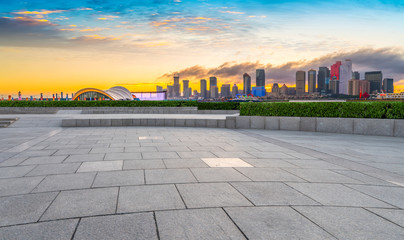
(54, 46)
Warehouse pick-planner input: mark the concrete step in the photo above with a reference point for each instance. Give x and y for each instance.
(5, 122)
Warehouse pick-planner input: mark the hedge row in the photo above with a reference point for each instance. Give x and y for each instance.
(392, 110)
(200, 105)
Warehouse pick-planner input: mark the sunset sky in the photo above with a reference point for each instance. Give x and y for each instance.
(53, 46)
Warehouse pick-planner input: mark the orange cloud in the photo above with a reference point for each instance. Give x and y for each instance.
(43, 12)
(96, 37)
(92, 29)
(231, 12)
(109, 17)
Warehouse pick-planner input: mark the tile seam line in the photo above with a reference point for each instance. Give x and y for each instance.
(370, 211)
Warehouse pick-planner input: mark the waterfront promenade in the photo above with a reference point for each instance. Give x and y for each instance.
(196, 183)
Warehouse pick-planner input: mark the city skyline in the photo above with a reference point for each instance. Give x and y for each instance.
(66, 46)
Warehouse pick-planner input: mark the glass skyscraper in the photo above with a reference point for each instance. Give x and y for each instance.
(260, 78)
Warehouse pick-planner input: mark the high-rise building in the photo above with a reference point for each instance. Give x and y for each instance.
(284, 90)
(177, 86)
(312, 81)
(334, 86)
(388, 85)
(260, 78)
(275, 88)
(356, 75)
(375, 79)
(246, 84)
(185, 90)
(203, 89)
(212, 82)
(300, 82)
(170, 91)
(353, 87)
(335, 70)
(364, 86)
(291, 91)
(323, 74)
(225, 90)
(214, 92)
(345, 74)
(159, 88)
(234, 91)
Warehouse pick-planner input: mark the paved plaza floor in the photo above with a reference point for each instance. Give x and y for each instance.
(198, 183)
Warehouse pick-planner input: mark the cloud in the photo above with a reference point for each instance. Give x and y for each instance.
(93, 29)
(43, 12)
(388, 60)
(231, 12)
(95, 38)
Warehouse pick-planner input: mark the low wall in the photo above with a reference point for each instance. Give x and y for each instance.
(362, 126)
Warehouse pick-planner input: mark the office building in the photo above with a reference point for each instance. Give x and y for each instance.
(353, 87)
(312, 81)
(334, 86)
(364, 86)
(291, 91)
(335, 70)
(356, 75)
(375, 78)
(300, 82)
(246, 84)
(185, 90)
(284, 90)
(214, 92)
(225, 91)
(323, 74)
(388, 85)
(345, 74)
(258, 91)
(234, 91)
(170, 91)
(203, 89)
(275, 88)
(260, 78)
(177, 86)
(212, 82)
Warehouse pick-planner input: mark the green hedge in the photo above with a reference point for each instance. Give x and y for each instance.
(200, 105)
(326, 109)
(218, 105)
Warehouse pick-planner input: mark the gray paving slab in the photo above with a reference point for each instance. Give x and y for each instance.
(271, 155)
(100, 166)
(11, 172)
(269, 174)
(65, 182)
(233, 154)
(48, 169)
(272, 193)
(157, 155)
(352, 223)
(185, 163)
(81, 203)
(364, 178)
(337, 195)
(202, 195)
(196, 154)
(85, 158)
(315, 164)
(123, 156)
(14, 186)
(143, 164)
(128, 226)
(267, 163)
(394, 215)
(13, 161)
(24, 208)
(44, 160)
(275, 223)
(391, 195)
(149, 198)
(119, 178)
(218, 175)
(140, 149)
(159, 176)
(62, 230)
(196, 224)
(107, 150)
(77, 151)
(321, 175)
